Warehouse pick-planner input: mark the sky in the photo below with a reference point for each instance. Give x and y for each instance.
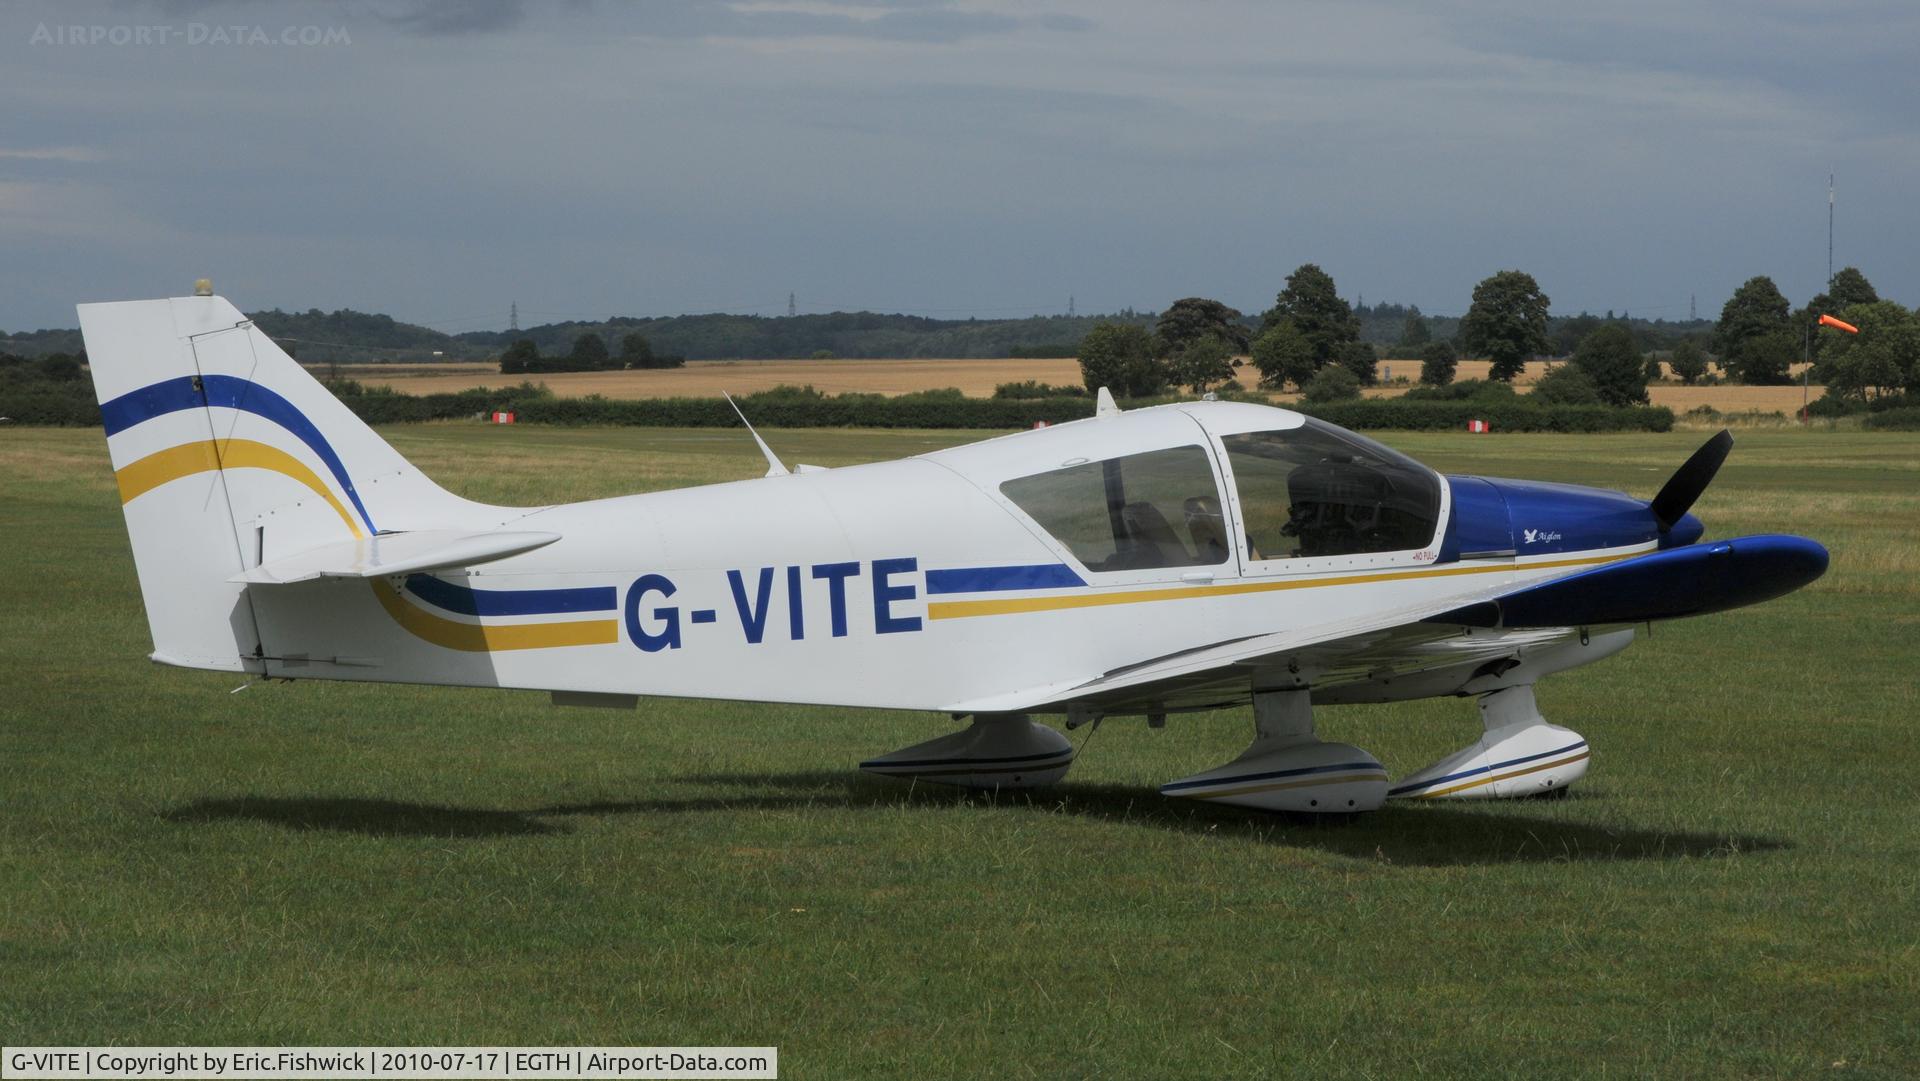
(440, 161)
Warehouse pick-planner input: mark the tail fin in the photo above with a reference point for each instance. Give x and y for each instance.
(229, 455)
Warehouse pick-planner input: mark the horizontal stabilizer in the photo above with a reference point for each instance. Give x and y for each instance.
(396, 553)
(1689, 581)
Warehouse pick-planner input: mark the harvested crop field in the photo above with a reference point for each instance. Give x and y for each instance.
(710, 378)
(974, 377)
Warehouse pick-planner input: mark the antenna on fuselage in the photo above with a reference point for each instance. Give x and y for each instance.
(1103, 404)
(774, 466)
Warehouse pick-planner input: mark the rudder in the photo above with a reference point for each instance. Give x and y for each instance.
(228, 454)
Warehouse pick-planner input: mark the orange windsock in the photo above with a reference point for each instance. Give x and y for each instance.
(1830, 321)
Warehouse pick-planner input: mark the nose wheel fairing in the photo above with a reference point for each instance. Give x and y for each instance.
(1520, 754)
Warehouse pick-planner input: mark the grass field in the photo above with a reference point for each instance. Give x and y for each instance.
(1732, 893)
(976, 378)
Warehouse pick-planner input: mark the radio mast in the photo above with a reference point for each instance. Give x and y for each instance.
(1829, 232)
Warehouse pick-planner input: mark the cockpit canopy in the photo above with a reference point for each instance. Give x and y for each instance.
(1308, 491)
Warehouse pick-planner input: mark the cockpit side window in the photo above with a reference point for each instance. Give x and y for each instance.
(1136, 512)
(1319, 491)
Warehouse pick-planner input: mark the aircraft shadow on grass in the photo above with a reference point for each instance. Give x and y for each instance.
(1416, 835)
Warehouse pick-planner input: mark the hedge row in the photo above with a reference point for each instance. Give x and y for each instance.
(50, 404)
(846, 411)
(1894, 420)
(871, 411)
(42, 404)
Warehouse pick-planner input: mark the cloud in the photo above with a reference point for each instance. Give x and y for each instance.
(440, 18)
(923, 22)
(51, 153)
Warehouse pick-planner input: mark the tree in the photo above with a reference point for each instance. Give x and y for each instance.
(1191, 319)
(1751, 324)
(60, 367)
(1507, 322)
(1849, 287)
(1314, 307)
(1567, 332)
(1688, 362)
(1609, 358)
(1414, 333)
(636, 351)
(1767, 360)
(1437, 363)
(520, 357)
(1655, 372)
(1203, 364)
(1566, 384)
(589, 352)
(1334, 383)
(1360, 359)
(1283, 356)
(1885, 355)
(1121, 358)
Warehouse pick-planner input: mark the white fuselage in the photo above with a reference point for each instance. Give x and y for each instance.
(910, 584)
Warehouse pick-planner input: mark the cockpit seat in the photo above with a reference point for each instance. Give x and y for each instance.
(1337, 506)
(1207, 528)
(1150, 540)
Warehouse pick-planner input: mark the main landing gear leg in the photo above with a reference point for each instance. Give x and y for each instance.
(1288, 768)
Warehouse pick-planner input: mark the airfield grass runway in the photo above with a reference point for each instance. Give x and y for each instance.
(1732, 892)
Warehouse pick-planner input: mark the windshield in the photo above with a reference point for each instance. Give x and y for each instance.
(1318, 490)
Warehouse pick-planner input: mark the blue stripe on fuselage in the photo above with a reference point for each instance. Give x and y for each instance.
(997, 579)
(511, 602)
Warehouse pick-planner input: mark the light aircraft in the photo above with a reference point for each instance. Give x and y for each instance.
(1149, 562)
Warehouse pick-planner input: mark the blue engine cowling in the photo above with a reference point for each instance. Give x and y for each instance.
(1494, 515)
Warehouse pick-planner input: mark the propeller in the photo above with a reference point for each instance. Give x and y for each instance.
(1687, 482)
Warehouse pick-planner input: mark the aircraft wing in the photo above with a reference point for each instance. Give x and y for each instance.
(1383, 645)
(1398, 643)
(1688, 581)
(396, 553)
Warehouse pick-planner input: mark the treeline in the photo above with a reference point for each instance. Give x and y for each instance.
(588, 354)
(347, 336)
(1398, 331)
(1312, 340)
(854, 335)
(52, 389)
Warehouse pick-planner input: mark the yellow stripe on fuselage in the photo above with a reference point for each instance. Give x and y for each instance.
(968, 609)
(138, 478)
(475, 638)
